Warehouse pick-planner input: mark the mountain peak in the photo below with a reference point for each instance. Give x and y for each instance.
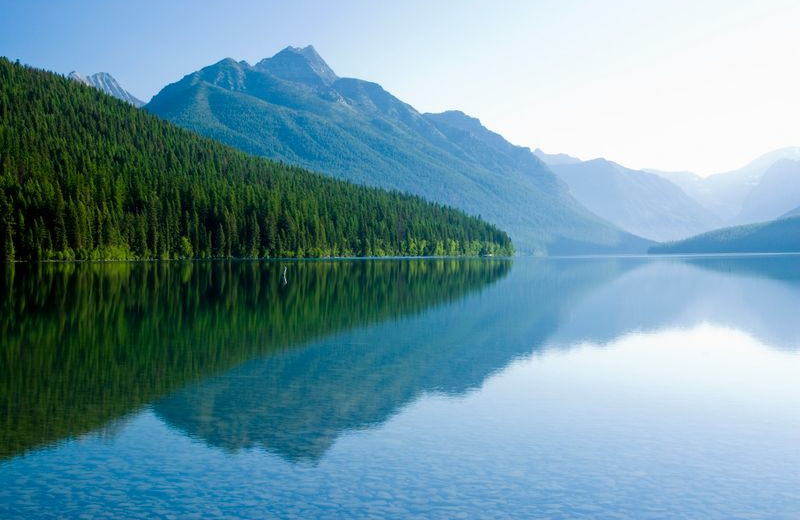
(308, 51)
(229, 62)
(77, 76)
(301, 65)
(105, 82)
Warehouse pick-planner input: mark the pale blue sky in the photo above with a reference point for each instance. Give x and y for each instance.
(698, 85)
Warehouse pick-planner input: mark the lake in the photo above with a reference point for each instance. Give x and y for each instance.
(424, 388)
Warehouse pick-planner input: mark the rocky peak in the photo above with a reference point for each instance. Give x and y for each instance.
(301, 65)
(105, 82)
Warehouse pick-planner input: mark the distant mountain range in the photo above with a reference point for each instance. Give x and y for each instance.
(636, 201)
(761, 190)
(106, 82)
(776, 236)
(645, 202)
(294, 108)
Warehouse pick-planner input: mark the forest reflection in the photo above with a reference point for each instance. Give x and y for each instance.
(85, 344)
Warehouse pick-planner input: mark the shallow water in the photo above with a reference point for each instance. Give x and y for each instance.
(552, 388)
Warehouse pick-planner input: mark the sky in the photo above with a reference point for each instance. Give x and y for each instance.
(701, 85)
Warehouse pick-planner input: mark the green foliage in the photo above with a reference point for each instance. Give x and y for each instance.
(85, 176)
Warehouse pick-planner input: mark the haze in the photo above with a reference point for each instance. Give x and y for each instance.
(682, 85)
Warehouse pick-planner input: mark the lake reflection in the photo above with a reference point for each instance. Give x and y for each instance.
(559, 388)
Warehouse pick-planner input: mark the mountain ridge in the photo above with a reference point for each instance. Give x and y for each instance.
(554, 159)
(763, 189)
(726, 193)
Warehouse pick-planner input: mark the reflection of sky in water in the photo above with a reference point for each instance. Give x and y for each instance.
(569, 390)
(758, 295)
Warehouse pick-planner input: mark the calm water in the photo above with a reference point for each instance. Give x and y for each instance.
(571, 388)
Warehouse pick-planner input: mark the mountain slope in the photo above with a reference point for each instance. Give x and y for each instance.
(777, 236)
(105, 82)
(87, 176)
(636, 201)
(293, 108)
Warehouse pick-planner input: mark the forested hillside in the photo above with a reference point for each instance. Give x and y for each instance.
(86, 176)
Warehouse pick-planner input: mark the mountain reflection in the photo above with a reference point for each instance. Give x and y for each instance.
(296, 403)
(85, 344)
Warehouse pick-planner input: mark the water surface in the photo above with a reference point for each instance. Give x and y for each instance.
(557, 388)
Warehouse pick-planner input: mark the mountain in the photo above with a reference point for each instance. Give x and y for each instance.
(777, 192)
(731, 189)
(776, 236)
(555, 159)
(106, 82)
(636, 201)
(292, 107)
(87, 176)
(694, 186)
(725, 194)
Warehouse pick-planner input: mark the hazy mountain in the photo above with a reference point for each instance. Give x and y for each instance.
(294, 108)
(691, 184)
(106, 82)
(777, 192)
(636, 201)
(731, 189)
(725, 194)
(555, 159)
(776, 236)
